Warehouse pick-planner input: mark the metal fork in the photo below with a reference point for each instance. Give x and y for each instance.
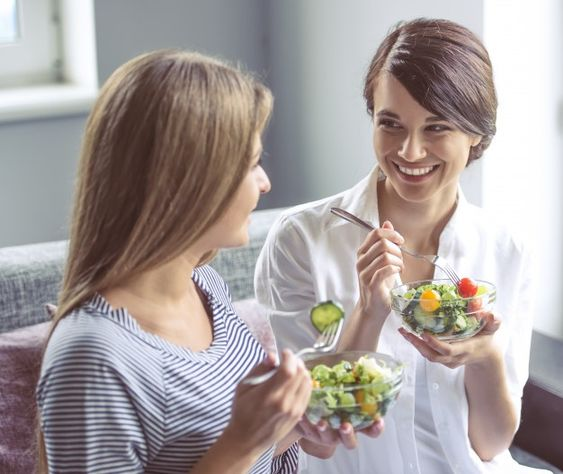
(326, 342)
(435, 260)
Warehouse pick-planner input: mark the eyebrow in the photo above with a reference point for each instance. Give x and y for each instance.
(393, 115)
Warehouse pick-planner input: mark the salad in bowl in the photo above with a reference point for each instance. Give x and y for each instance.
(353, 386)
(449, 312)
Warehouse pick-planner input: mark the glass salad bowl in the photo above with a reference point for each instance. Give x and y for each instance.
(352, 386)
(450, 312)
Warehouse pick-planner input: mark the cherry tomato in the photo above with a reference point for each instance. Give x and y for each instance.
(467, 288)
(430, 300)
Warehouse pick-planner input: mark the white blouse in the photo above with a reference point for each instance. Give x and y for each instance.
(310, 256)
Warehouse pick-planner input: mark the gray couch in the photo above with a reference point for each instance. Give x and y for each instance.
(30, 277)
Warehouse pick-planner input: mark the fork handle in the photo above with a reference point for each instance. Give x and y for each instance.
(258, 379)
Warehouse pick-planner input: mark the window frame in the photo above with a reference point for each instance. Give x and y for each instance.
(74, 85)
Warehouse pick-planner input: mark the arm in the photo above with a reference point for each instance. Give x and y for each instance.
(494, 386)
(77, 378)
(492, 415)
(262, 415)
(284, 284)
(379, 262)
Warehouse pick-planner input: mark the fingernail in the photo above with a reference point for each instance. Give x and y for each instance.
(347, 429)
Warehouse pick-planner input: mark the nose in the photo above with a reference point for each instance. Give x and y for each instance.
(412, 148)
(264, 184)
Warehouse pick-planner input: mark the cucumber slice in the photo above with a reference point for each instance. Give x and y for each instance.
(326, 313)
(435, 323)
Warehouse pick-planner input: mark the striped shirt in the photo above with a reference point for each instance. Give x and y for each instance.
(114, 398)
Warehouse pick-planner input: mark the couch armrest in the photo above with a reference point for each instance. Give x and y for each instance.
(541, 429)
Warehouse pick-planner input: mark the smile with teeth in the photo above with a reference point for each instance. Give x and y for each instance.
(416, 171)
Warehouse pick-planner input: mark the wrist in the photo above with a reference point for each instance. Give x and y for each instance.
(236, 450)
(489, 360)
(362, 330)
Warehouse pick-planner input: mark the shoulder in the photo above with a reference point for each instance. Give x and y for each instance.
(209, 279)
(89, 342)
(496, 230)
(492, 241)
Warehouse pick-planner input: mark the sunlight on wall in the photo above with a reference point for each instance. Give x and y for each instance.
(523, 168)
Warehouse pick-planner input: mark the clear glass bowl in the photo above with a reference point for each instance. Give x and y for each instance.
(360, 404)
(455, 318)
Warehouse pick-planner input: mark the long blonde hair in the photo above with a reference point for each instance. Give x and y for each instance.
(166, 146)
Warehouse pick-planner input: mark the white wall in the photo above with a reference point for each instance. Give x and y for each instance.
(524, 167)
(38, 157)
(319, 53)
(313, 54)
(37, 160)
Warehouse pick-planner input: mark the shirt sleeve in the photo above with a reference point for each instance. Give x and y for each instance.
(284, 284)
(286, 462)
(519, 326)
(91, 418)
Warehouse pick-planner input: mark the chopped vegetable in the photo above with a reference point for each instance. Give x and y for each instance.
(359, 392)
(442, 309)
(326, 313)
(430, 300)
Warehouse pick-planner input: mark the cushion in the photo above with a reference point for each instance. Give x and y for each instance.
(29, 276)
(20, 355)
(254, 315)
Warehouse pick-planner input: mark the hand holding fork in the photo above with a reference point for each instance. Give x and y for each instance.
(435, 260)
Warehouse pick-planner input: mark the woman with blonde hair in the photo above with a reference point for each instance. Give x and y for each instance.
(141, 372)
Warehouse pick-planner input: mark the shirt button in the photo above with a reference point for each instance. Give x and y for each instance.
(411, 466)
(435, 385)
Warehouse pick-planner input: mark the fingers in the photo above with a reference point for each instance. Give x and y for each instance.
(385, 235)
(348, 436)
(319, 433)
(438, 346)
(492, 323)
(374, 430)
(293, 382)
(421, 346)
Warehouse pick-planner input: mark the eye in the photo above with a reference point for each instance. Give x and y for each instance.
(388, 124)
(260, 161)
(438, 127)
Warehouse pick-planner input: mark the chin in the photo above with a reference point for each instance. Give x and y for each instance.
(239, 240)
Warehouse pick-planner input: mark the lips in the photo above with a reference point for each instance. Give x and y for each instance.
(415, 174)
(416, 171)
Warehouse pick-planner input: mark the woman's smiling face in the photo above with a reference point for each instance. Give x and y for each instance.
(421, 154)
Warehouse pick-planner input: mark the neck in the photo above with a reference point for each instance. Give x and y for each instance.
(165, 286)
(420, 223)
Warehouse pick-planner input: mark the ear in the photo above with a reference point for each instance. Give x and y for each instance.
(475, 140)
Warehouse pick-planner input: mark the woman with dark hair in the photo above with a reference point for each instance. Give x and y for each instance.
(142, 369)
(430, 93)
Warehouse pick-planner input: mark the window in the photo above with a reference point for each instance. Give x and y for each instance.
(30, 54)
(47, 58)
(9, 22)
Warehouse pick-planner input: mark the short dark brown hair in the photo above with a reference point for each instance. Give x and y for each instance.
(446, 69)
